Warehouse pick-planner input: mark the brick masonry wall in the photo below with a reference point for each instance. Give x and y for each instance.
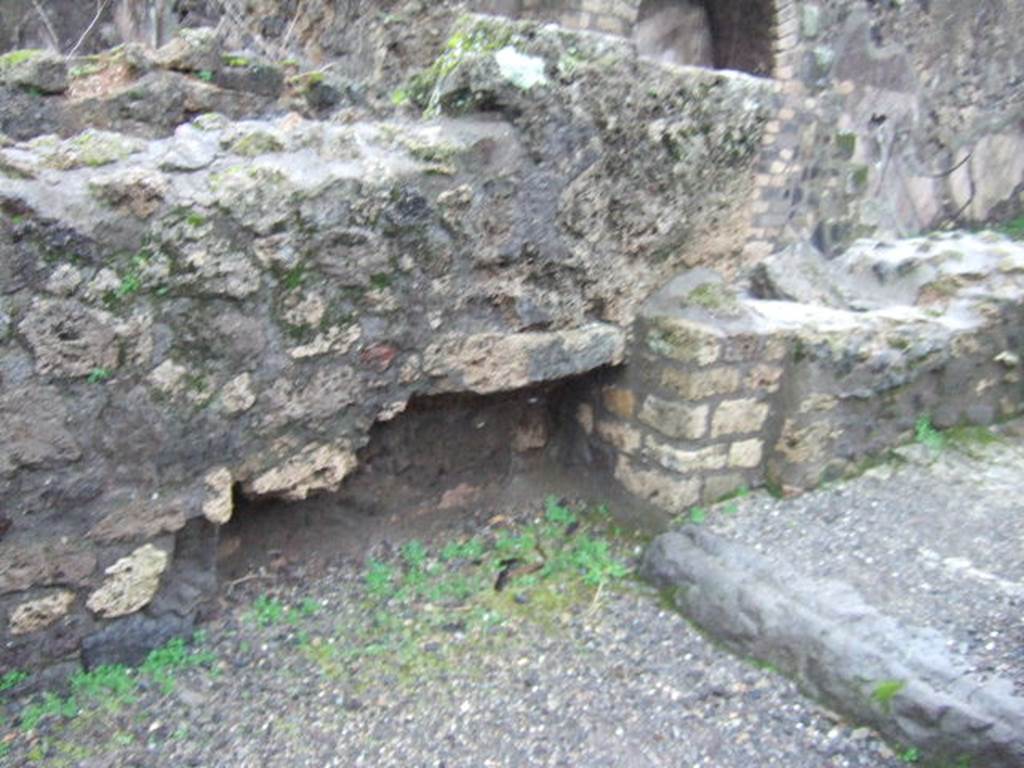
(712, 404)
(690, 420)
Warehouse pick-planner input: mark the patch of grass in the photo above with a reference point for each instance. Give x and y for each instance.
(294, 277)
(163, 663)
(99, 375)
(970, 435)
(205, 75)
(1013, 228)
(910, 755)
(426, 606)
(885, 691)
(698, 515)
(12, 678)
(267, 611)
(380, 580)
(110, 687)
(50, 706)
(927, 435)
(236, 62)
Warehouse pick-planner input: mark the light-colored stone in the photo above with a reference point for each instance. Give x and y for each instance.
(585, 417)
(619, 401)
(697, 385)
(662, 489)
(799, 445)
(679, 420)
(531, 433)
(493, 362)
(683, 340)
(218, 505)
(167, 377)
(317, 467)
(139, 519)
(735, 417)
(718, 486)
(746, 454)
(133, 582)
(39, 614)
(237, 396)
(685, 461)
(764, 378)
(622, 436)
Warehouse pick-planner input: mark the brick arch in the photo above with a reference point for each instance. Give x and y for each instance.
(744, 33)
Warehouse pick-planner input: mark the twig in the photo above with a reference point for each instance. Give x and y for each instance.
(291, 28)
(248, 577)
(100, 8)
(597, 599)
(49, 27)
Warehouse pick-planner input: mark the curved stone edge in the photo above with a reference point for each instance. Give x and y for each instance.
(899, 679)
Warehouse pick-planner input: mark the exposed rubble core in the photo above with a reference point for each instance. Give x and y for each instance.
(237, 304)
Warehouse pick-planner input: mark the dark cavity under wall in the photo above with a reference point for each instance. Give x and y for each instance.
(444, 459)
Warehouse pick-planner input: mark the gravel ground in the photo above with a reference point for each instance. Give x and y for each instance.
(935, 538)
(571, 676)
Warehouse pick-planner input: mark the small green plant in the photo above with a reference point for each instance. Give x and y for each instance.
(267, 611)
(594, 561)
(236, 62)
(557, 514)
(51, 705)
(698, 515)
(1013, 228)
(205, 75)
(195, 220)
(294, 277)
(910, 755)
(380, 580)
(162, 663)
(927, 435)
(885, 691)
(99, 375)
(10, 679)
(469, 550)
(110, 685)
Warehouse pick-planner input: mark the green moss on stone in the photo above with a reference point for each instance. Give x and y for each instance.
(14, 58)
(471, 36)
(90, 149)
(714, 298)
(256, 143)
(846, 143)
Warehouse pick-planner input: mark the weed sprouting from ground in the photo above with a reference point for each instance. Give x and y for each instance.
(110, 687)
(426, 605)
(927, 435)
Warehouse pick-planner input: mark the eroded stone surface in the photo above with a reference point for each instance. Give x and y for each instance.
(132, 582)
(38, 614)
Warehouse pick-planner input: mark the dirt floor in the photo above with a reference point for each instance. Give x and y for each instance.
(512, 634)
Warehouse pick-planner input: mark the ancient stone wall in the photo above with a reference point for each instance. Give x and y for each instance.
(724, 392)
(232, 308)
(896, 119)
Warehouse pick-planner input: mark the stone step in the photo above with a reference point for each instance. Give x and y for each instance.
(894, 598)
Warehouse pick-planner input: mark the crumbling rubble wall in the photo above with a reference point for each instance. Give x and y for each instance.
(231, 308)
